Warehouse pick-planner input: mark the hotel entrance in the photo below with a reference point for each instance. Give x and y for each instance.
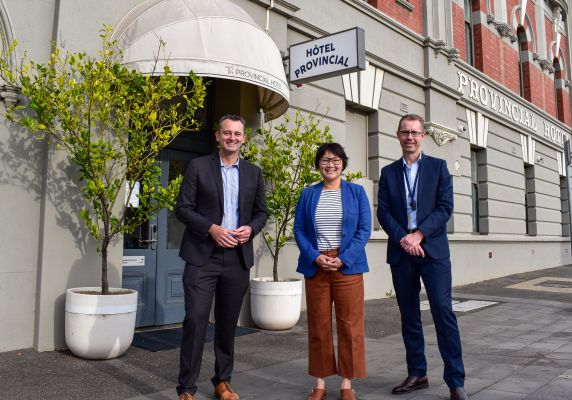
(220, 42)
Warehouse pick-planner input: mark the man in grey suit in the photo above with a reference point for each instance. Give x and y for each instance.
(222, 204)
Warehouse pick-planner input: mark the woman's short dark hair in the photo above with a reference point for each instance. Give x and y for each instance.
(334, 148)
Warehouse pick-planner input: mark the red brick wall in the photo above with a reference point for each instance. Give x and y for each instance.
(480, 5)
(411, 19)
(540, 89)
(459, 30)
(549, 96)
(549, 35)
(496, 58)
(566, 109)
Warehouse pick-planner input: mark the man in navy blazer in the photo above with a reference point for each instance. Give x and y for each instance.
(415, 201)
(222, 204)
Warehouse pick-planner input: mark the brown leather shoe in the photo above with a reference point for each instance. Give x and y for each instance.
(410, 384)
(348, 394)
(318, 394)
(185, 396)
(458, 393)
(224, 392)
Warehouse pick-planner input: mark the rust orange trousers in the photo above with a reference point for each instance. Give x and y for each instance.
(346, 293)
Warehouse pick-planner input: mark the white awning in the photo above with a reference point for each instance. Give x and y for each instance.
(214, 38)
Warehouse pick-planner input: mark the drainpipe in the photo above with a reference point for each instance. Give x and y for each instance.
(268, 17)
(567, 166)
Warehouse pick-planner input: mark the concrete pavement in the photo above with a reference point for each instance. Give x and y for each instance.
(519, 346)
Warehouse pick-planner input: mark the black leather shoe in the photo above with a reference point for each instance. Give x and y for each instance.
(410, 384)
(458, 394)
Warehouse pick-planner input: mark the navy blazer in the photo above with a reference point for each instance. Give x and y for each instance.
(201, 204)
(356, 229)
(434, 207)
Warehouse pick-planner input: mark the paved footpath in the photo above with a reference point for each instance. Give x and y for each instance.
(520, 347)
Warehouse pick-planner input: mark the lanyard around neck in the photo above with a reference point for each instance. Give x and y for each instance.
(410, 192)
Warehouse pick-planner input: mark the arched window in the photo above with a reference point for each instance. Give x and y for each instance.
(469, 36)
(559, 89)
(523, 64)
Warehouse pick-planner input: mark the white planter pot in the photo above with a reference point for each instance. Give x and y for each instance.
(275, 305)
(100, 326)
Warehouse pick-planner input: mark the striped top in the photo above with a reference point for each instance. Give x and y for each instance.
(329, 218)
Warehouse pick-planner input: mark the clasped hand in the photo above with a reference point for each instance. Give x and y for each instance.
(411, 243)
(329, 264)
(230, 238)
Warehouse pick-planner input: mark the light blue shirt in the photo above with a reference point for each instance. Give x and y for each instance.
(410, 175)
(230, 189)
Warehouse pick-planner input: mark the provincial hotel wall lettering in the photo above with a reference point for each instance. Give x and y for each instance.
(476, 91)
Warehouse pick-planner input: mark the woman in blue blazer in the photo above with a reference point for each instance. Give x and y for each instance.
(332, 225)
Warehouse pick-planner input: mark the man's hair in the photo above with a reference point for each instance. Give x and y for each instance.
(334, 148)
(412, 117)
(232, 117)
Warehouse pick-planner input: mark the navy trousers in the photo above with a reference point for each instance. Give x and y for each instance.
(225, 279)
(436, 275)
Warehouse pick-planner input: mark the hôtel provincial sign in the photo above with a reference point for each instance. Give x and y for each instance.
(473, 89)
(336, 54)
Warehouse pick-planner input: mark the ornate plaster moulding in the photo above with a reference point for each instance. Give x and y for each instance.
(544, 63)
(440, 134)
(453, 54)
(503, 28)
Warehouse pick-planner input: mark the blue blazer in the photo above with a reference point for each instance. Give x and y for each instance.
(356, 229)
(434, 207)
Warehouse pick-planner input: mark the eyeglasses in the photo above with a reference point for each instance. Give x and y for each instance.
(412, 133)
(326, 161)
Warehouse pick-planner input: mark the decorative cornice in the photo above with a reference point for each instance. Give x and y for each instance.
(544, 63)
(453, 54)
(437, 45)
(440, 46)
(503, 28)
(440, 133)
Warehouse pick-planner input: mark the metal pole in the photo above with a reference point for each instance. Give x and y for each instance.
(567, 167)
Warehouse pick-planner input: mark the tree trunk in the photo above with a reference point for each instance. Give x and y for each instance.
(104, 282)
(275, 268)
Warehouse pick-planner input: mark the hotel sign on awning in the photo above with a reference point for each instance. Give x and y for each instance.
(336, 54)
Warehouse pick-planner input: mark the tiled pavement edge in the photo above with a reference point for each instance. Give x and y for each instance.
(518, 349)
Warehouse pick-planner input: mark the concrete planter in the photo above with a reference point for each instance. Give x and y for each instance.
(99, 326)
(275, 305)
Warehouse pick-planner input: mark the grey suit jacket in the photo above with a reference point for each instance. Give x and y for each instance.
(201, 204)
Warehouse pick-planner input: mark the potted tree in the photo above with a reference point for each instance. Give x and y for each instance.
(112, 123)
(285, 153)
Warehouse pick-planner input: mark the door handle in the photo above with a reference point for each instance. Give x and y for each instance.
(153, 239)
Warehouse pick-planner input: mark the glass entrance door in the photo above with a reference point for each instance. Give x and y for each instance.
(169, 295)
